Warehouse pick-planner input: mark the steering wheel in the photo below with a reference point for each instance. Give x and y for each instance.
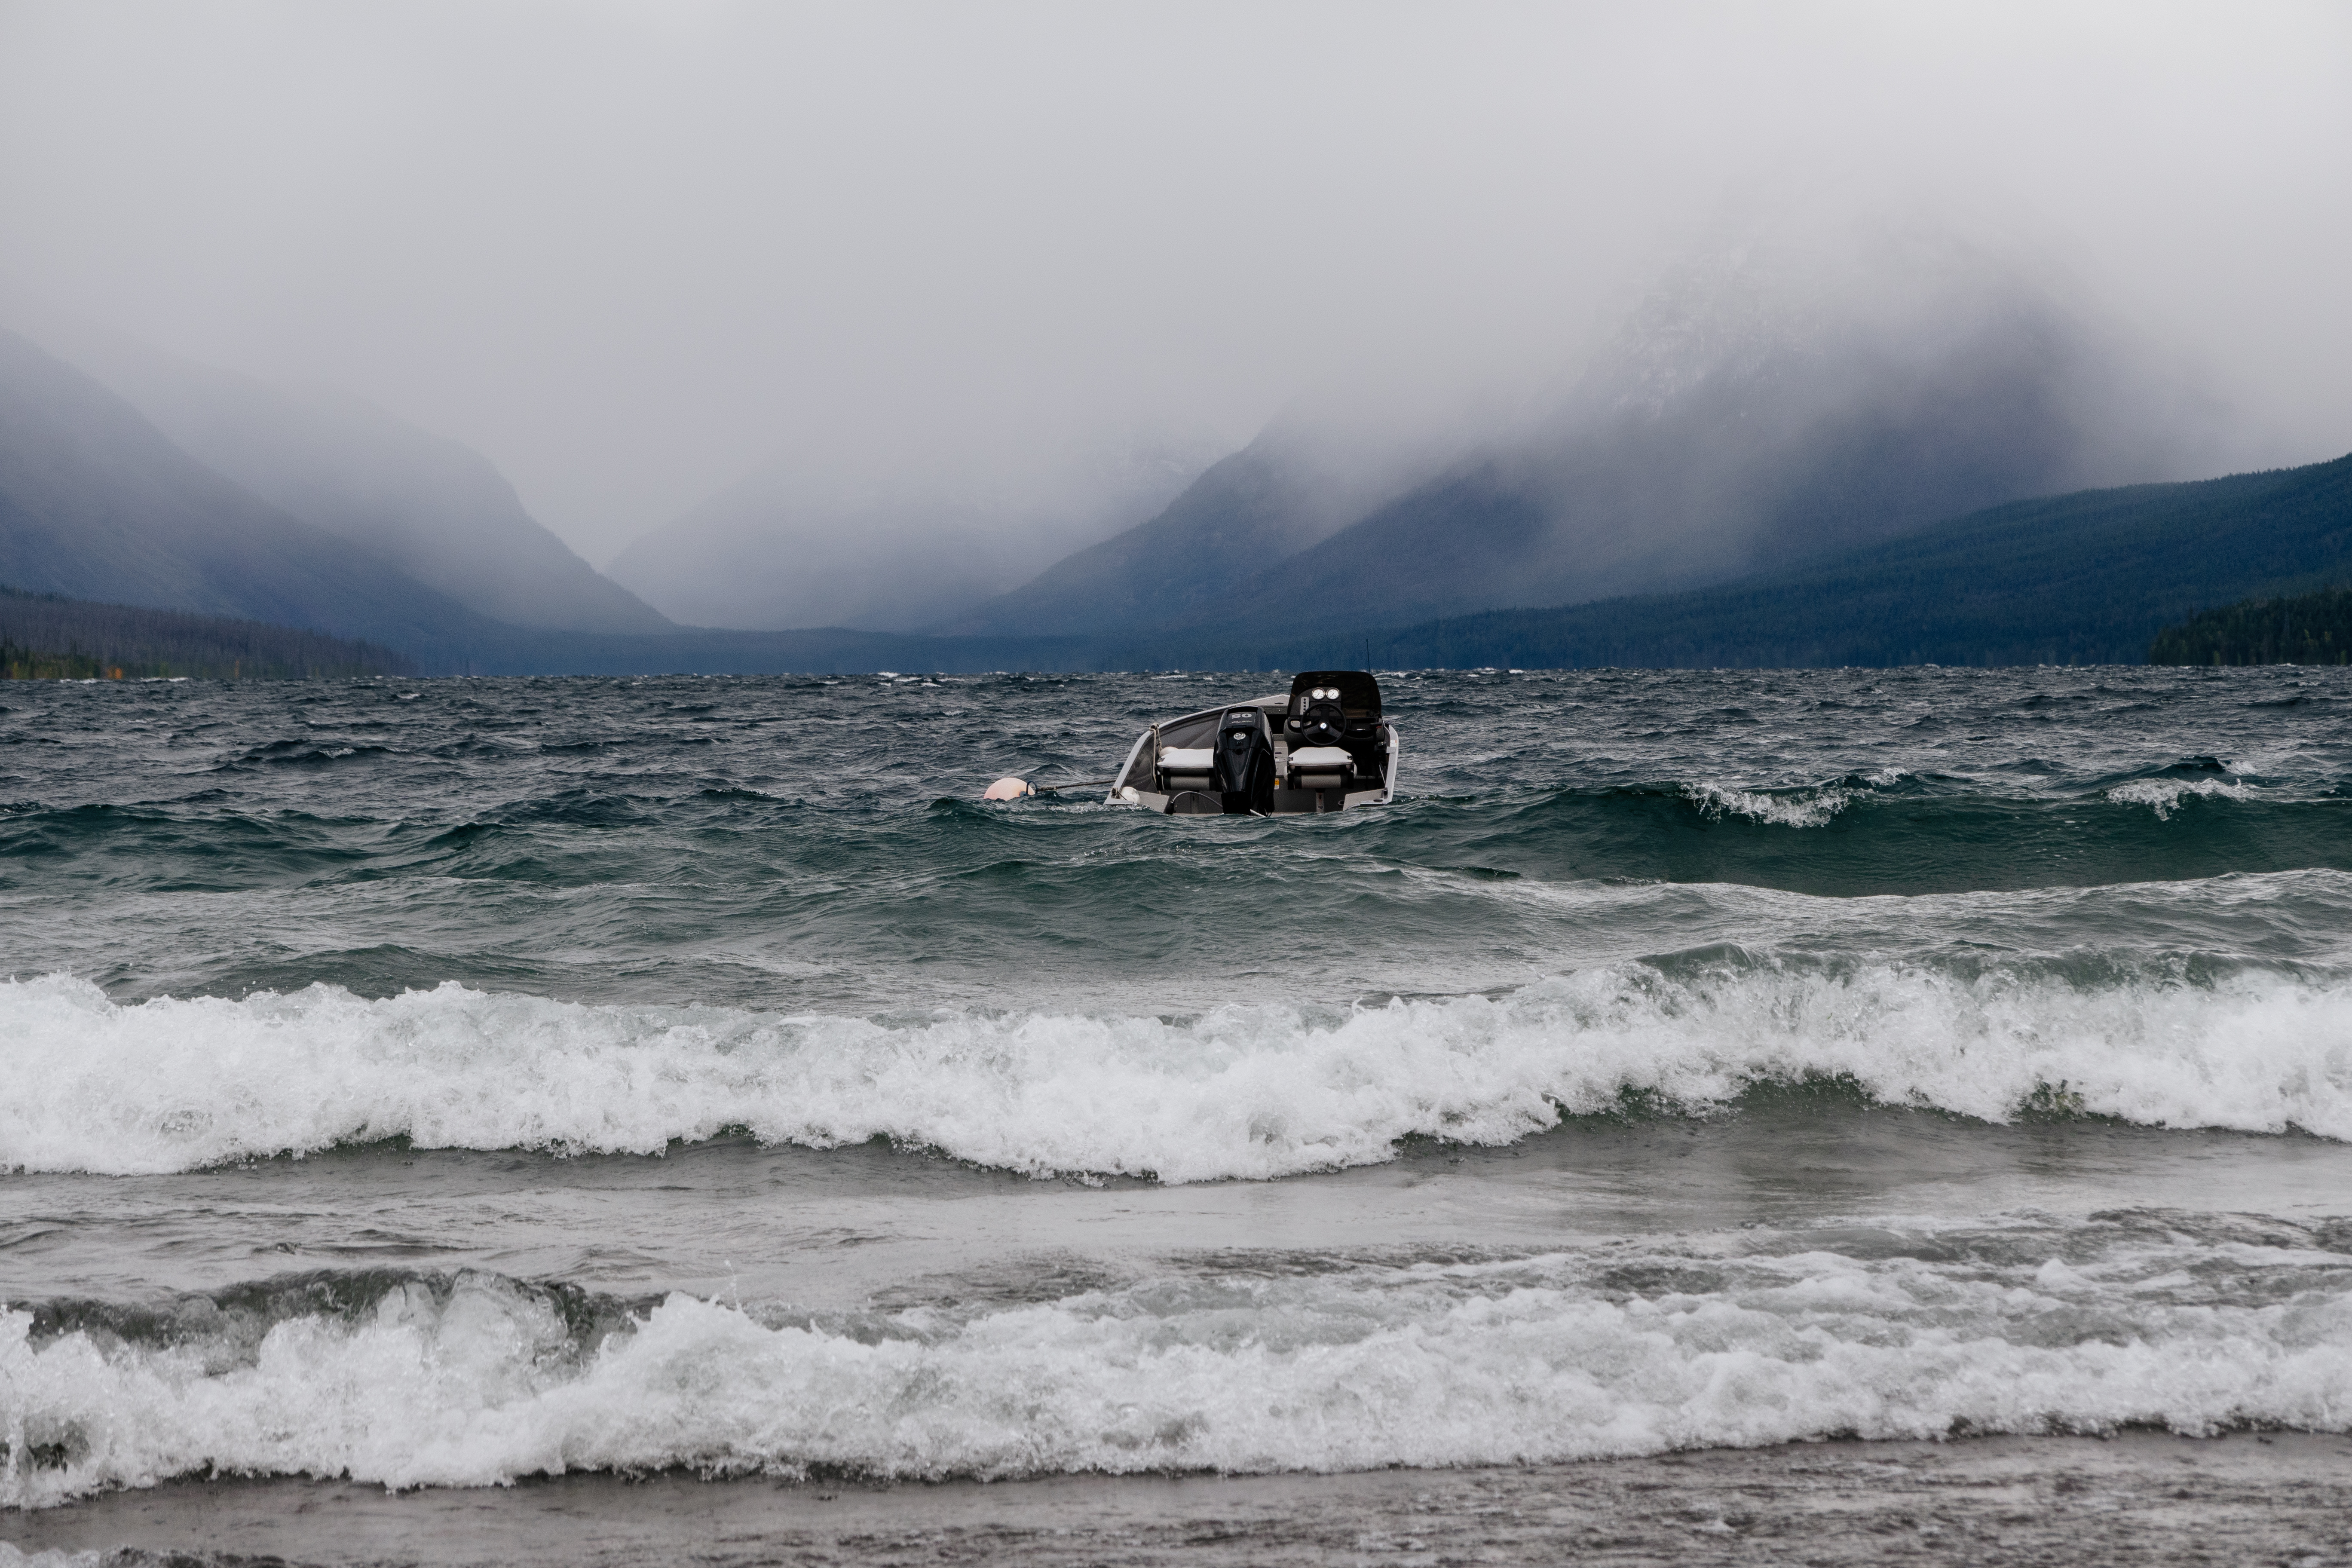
(1320, 724)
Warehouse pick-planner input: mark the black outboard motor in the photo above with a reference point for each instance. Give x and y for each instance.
(1246, 760)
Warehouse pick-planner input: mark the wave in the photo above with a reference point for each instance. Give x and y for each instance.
(1885, 832)
(1248, 1090)
(474, 1379)
(1892, 832)
(1807, 807)
(2164, 797)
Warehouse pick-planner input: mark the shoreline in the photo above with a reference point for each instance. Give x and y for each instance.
(2133, 1497)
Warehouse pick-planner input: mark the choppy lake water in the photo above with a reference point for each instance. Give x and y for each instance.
(450, 1082)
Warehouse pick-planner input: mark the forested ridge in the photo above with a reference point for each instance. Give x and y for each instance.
(2308, 629)
(48, 636)
(2088, 578)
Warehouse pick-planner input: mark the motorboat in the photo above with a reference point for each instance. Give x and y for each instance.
(1322, 747)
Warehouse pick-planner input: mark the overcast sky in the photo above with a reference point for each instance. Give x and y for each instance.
(630, 251)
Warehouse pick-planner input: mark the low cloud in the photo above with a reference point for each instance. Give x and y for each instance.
(637, 253)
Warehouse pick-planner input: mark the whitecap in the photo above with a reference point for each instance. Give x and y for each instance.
(1805, 808)
(2164, 797)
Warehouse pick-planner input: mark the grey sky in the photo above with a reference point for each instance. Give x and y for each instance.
(632, 251)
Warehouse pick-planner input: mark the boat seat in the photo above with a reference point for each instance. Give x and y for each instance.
(1320, 767)
(1187, 767)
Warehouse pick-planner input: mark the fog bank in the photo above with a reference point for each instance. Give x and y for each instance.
(632, 253)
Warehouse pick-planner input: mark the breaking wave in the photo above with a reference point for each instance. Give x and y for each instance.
(476, 1379)
(1247, 1092)
(2164, 796)
(1799, 808)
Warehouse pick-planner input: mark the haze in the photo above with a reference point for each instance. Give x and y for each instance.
(634, 253)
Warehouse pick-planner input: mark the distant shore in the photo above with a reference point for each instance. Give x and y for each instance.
(2136, 1498)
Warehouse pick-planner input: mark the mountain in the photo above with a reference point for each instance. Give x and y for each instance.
(1762, 408)
(1767, 401)
(434, 511)
(2088, 578)
(905, 550)
(1285, 492)
(1755, 410)
(96, 503)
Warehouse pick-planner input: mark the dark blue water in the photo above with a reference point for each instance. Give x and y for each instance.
(444, 1082)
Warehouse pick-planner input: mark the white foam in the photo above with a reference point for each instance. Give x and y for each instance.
(1429, 1366)
(1256, 1091)
(2164, 797)
(1807, 808)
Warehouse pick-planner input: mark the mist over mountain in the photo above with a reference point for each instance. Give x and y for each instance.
(905, 550)
(1773, 398)
(1766, 404)
(2086, 578)
(433, 509)
(96, 503)
(100, 506)
(1296, 485)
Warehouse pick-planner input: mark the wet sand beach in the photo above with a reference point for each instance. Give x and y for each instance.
(2136, 1497)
